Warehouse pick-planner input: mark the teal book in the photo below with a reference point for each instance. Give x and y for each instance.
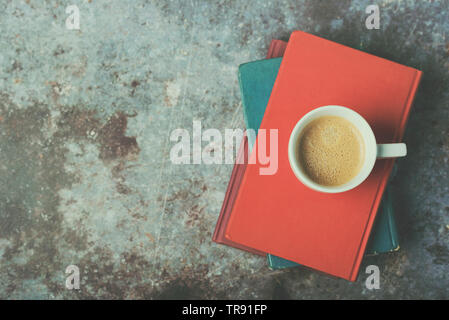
(256, 82)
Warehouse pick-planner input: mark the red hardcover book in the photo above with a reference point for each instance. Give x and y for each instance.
(277, 213)
(276, 49)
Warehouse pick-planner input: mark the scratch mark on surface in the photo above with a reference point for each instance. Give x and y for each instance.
(184, 88)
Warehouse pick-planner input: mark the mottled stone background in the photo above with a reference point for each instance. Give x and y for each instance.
(85, 117)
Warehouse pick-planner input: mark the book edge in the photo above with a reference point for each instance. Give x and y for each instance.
(381, 188)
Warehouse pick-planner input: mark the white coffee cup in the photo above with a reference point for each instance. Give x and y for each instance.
(372, 150)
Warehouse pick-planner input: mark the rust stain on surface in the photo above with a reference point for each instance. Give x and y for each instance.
(113, 142)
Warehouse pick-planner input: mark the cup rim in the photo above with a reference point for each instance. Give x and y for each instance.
(366, 132)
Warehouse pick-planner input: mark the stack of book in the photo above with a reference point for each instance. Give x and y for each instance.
(277, 216)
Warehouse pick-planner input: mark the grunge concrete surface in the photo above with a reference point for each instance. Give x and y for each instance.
(85, 119)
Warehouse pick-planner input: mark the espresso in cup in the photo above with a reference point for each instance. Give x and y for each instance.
(331, 150)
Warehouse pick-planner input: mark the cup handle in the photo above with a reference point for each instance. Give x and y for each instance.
(391, 150)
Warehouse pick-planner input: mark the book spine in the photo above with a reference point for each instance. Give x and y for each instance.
(391, 221)
(409, 103)
(388, 168)
(218, 233)
(245, 115)
(228, 202)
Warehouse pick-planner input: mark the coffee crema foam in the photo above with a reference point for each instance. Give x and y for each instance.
(331, 150)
